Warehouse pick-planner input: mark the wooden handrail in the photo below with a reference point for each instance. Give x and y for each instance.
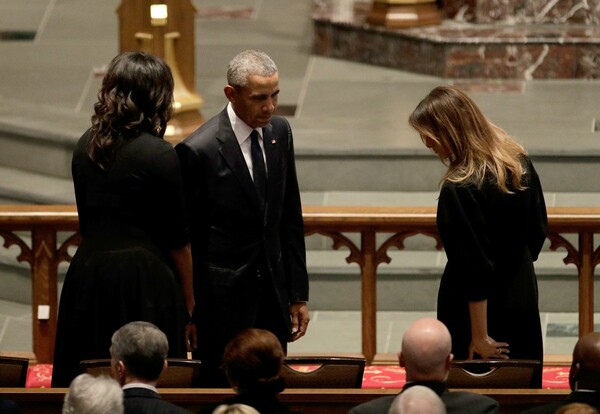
(44, 254)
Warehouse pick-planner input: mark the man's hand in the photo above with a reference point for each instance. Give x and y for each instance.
(191, 337)
(300, 319)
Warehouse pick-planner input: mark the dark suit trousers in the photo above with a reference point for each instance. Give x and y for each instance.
(267, 315)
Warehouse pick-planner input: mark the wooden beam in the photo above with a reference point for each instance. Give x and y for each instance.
(307, 401)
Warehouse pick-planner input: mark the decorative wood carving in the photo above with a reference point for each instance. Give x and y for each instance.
(557, 241)
(339, 240)
(63, 253)
(397, 241)
(11, 239)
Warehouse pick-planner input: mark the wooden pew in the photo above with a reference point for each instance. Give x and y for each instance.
(308, 401)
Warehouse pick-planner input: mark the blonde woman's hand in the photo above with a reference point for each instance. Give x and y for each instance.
(487, 348)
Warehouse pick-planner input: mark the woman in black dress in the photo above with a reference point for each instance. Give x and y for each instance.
(134, 261)
(491, 217)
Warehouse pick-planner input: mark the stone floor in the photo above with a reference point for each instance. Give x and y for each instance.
(331, 332)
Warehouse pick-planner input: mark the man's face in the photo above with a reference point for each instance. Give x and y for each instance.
(254, 104)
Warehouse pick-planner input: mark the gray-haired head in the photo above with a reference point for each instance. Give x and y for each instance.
(142, 347)
(93, 395)
(247, 63)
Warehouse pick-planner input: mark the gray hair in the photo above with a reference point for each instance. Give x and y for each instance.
(247, 63)
(417, 399)
(93, 395)
(142, 347)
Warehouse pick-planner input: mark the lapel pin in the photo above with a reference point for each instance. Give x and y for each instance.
(272, 141)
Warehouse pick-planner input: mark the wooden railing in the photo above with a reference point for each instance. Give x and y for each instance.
(42, 223)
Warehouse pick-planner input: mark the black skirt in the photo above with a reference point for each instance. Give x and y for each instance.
(117, 276)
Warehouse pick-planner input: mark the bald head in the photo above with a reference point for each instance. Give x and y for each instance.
(585, 369)
(587, 351)
(417, 400)
(425, 353)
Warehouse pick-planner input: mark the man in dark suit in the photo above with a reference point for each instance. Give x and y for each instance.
(426, 357)
(246, 219)
(138, 356)
(584, 376)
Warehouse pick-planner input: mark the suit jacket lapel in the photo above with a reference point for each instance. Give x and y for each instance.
(232, 154)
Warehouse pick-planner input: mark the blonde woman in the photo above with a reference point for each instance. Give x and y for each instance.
(492, 220)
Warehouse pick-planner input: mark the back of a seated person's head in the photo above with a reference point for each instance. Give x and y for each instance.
(253, 360)
(417, 400)
(235, 409)
(576, 408)
(93, 395)
(585, 368)
(142, 348)
(426, 350)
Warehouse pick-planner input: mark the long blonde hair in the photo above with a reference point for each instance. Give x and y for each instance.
(478, 151)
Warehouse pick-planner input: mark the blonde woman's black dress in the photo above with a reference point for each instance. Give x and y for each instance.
(491, 240)
(130, 216)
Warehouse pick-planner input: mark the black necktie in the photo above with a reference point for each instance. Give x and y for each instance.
(259, 172)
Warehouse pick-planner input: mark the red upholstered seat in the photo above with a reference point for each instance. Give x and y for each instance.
(375, 376)
(39, 376)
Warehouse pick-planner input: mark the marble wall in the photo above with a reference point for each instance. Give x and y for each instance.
(476, 51)
(504, 39)
(523, 11)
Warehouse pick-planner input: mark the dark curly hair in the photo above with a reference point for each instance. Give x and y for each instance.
(136, 96)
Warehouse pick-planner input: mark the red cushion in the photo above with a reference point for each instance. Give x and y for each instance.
(376, 376)
(379, 376)
(39, 376)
